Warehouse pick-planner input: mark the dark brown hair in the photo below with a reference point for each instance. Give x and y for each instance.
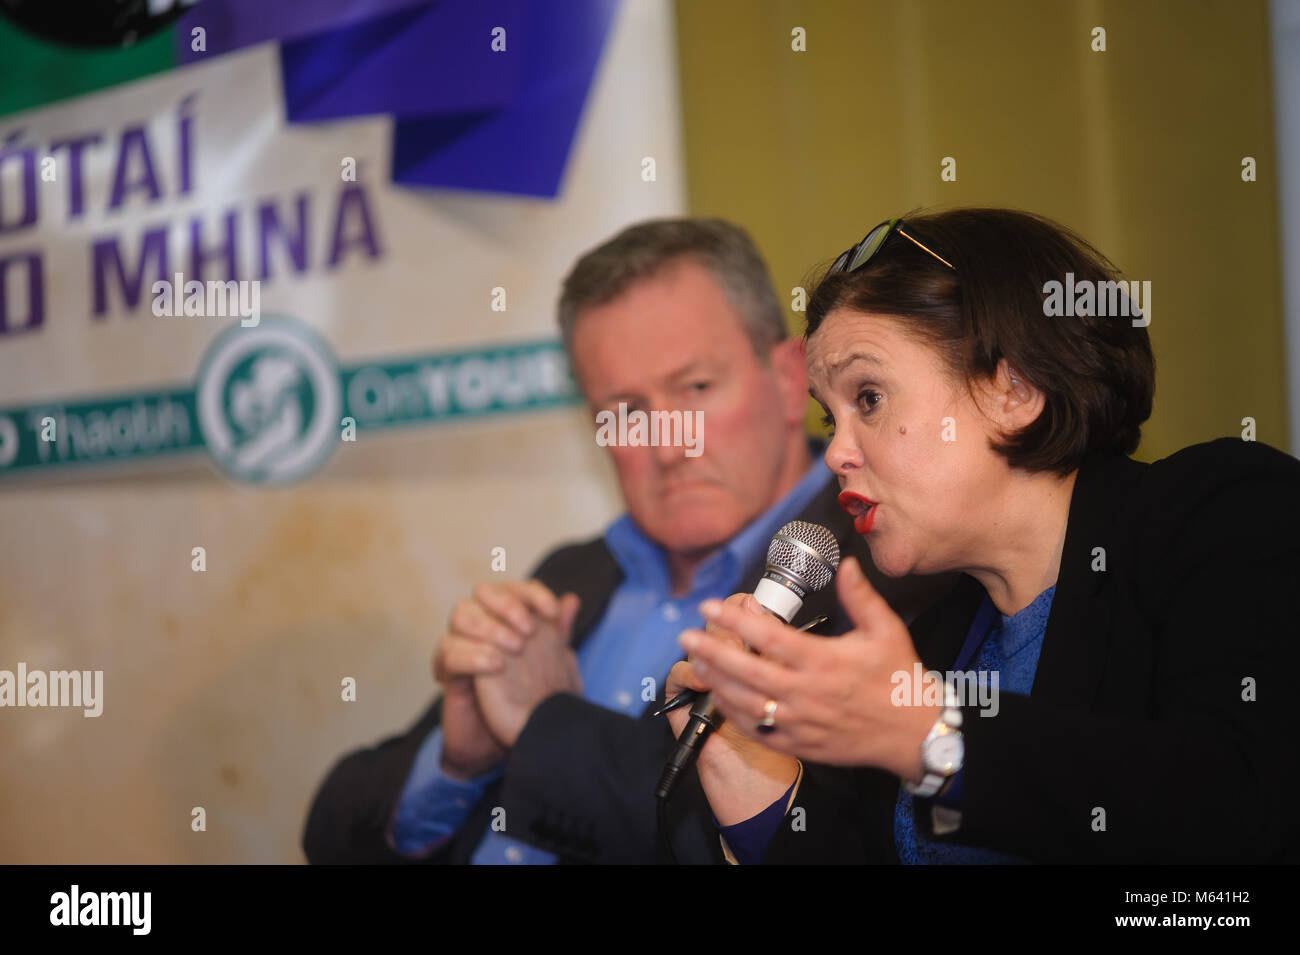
(1097, 373)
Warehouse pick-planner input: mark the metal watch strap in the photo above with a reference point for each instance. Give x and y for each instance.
(949, 721)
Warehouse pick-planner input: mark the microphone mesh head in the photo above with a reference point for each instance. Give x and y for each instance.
(814, 562)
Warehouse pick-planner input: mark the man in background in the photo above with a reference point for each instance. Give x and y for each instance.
(542, 747)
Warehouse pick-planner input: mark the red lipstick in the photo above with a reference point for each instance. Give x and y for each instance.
(862, 509)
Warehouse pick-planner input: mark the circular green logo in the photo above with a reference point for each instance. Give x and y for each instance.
(269, 401)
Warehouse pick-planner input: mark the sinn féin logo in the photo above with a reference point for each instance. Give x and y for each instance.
(269, 401)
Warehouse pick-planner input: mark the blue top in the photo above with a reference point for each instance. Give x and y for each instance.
(622, 662)
(1009, 654)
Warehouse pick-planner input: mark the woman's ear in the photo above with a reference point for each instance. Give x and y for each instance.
(1018, 403)
(1007, 400)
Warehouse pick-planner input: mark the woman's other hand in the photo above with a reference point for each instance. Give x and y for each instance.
(741, 776)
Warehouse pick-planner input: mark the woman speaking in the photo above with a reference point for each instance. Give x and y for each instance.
(1109, 682)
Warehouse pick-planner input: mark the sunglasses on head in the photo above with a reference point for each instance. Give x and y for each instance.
(860, 254)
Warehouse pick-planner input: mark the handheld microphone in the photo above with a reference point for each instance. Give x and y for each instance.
(801, 559)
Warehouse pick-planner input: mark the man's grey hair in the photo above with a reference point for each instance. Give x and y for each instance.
(642, 250)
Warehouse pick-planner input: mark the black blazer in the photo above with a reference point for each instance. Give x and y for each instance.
(579, 781)
(1161, 705)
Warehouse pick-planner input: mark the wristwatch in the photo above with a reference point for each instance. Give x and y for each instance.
(943, 748)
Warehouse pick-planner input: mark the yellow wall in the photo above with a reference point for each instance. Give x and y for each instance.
(1139, 148)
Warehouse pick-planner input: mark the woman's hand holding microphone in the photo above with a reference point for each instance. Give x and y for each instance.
(833, 697)
(741, 776)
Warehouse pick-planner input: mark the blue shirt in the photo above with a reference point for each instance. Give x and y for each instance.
(622, 662)
(1011, 650)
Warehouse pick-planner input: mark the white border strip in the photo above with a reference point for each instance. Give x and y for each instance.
(1284, 23)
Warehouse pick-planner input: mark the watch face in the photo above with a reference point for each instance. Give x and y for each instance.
(944, 754)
